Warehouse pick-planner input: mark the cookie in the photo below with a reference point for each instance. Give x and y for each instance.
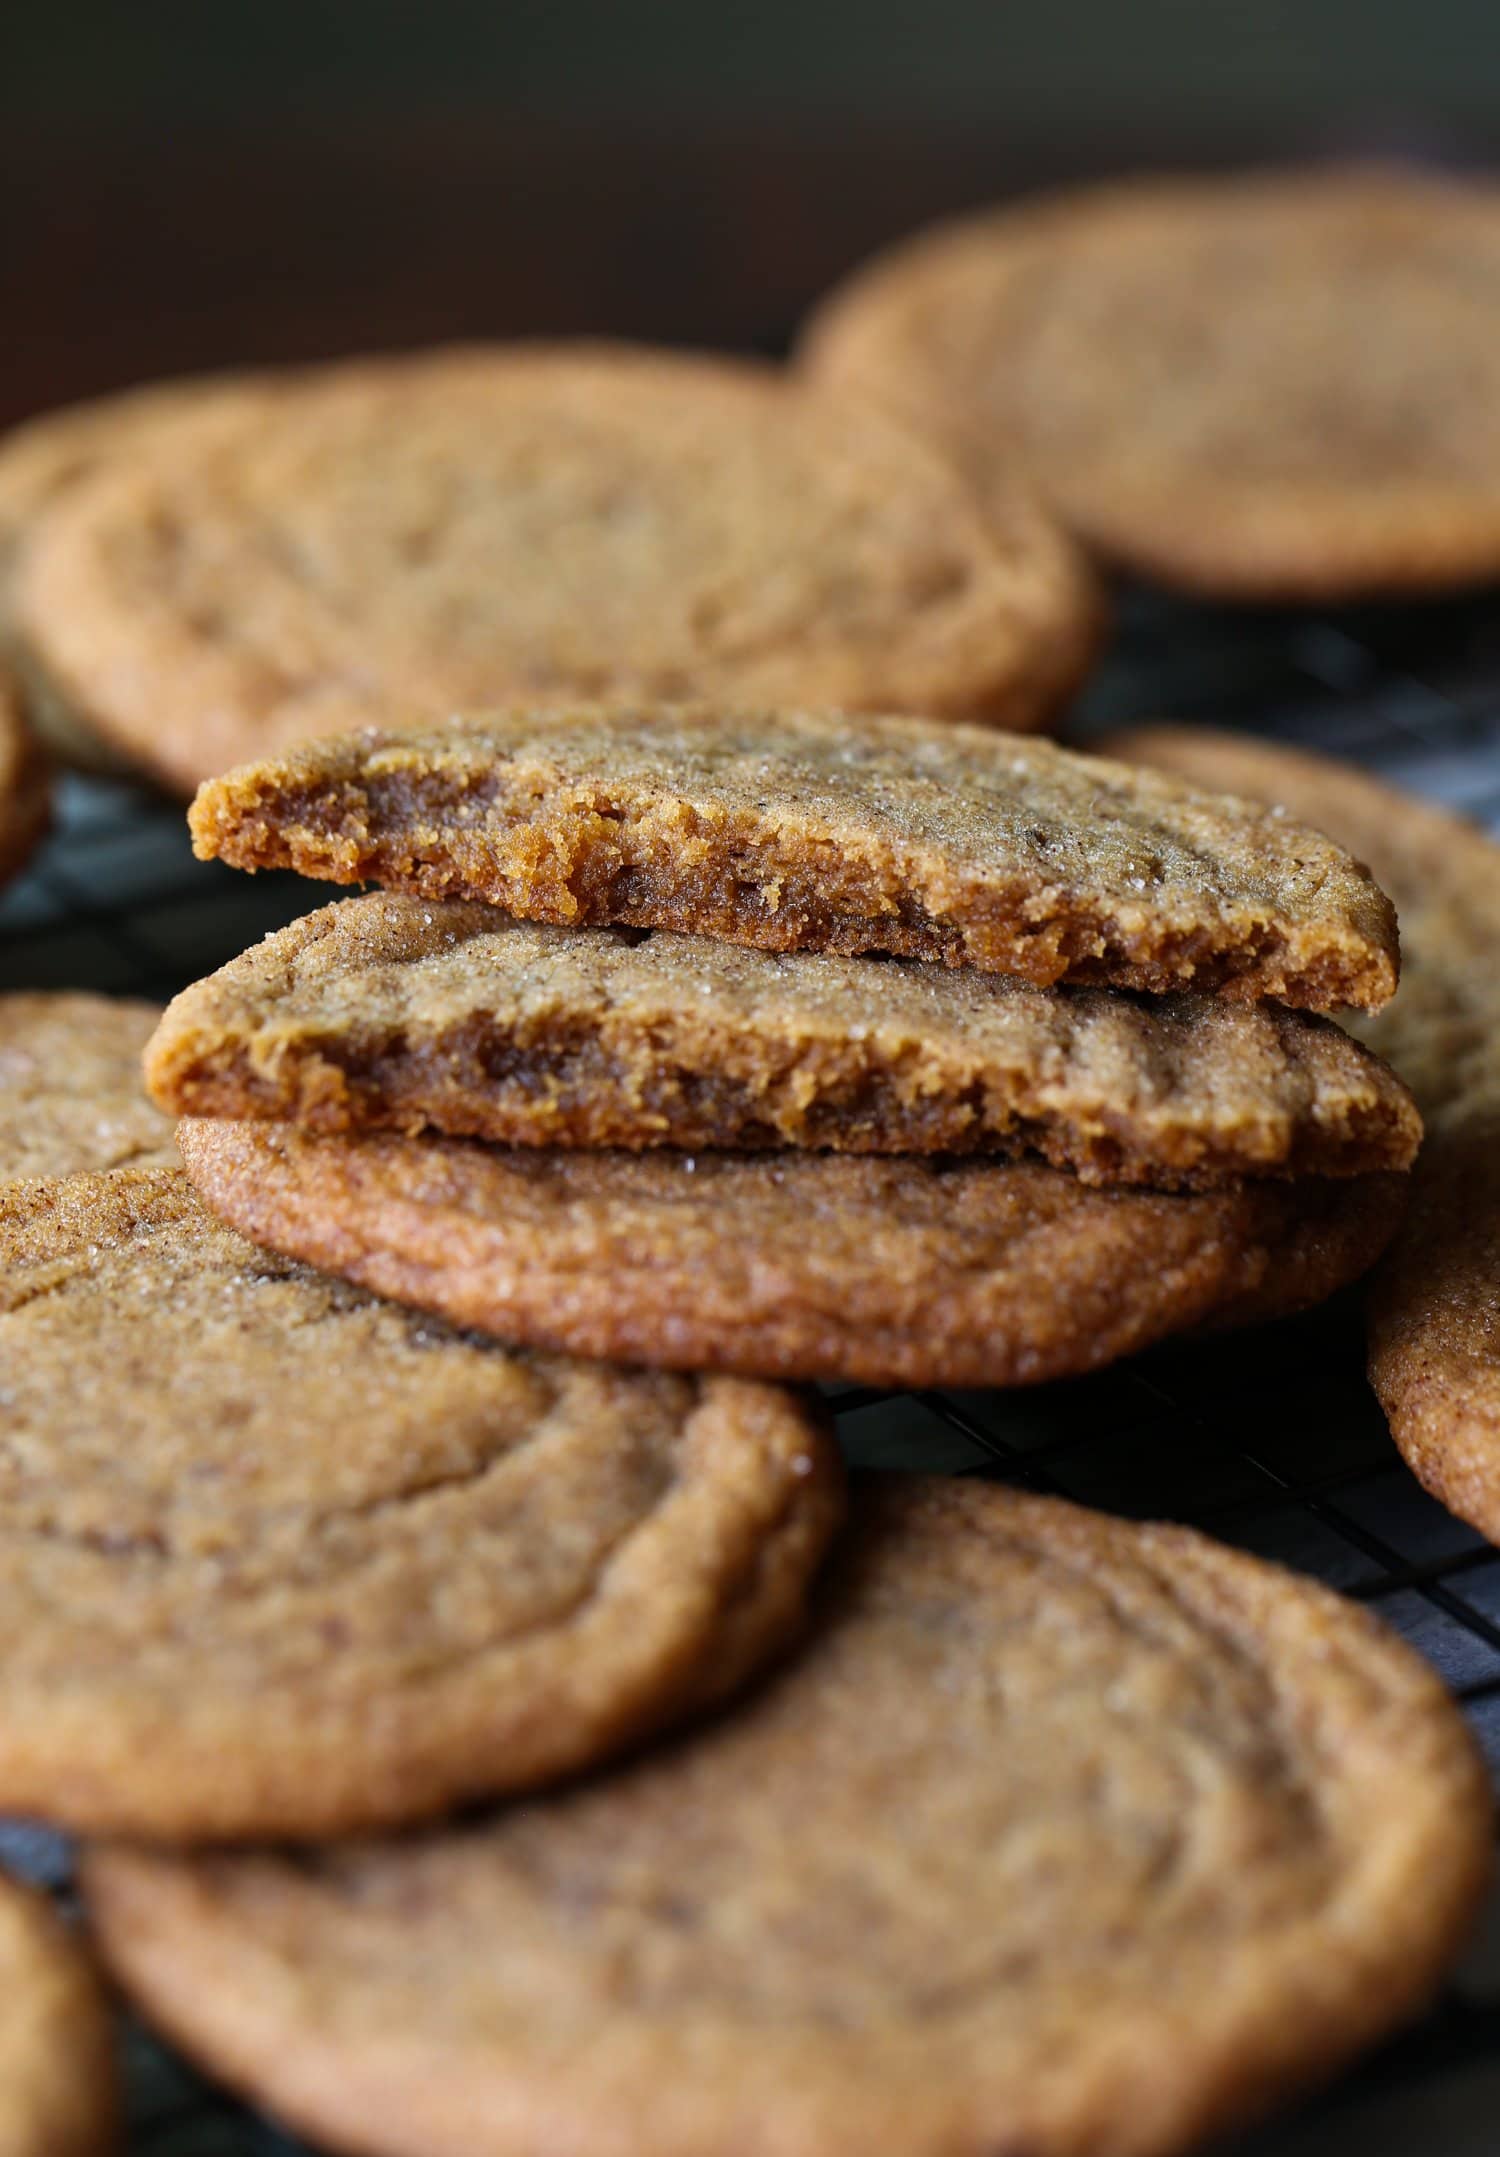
(1442, 1033)
(390, 540)
(42, 460)
(1434, 1325)
(278, 1559)
(71, 1095)
(1270, 387)
(386, 1013)
(903, 1272)
(798, 830)
(1061, 1834)
(24, 792)
(1434, 1331)
(57, 2067)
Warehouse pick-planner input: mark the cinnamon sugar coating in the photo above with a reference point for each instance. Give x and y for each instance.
(71, 1092)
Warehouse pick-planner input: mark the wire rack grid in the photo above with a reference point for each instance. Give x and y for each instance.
(1280, 1450)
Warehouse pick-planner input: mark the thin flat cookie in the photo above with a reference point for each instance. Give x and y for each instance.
(57, 2067)
(25, 794)
(803, 1266)
(396, 538)
(71, 1094)
(815, 830)
(1062, 1834)
(1434, 1326)
(1267, 387)
(279, 1560)
(388, 1013)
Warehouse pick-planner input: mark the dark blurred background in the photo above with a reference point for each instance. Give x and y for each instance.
(193, 185)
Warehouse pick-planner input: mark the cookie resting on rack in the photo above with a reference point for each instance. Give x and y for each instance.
(906, 1272)
(1271, 386)
(45, 458)
(1434, 1327)
(1059, 1834)
(281, 1560)
(420, 535)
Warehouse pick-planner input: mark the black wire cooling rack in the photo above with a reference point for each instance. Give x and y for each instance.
(1272, 1442)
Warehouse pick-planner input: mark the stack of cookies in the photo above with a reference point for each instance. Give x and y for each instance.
(805, 1047)
(727, 1045)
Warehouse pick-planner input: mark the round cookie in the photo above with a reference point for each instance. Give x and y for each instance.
(280, 1560)
(71, 1095)
(1434, 1325)
(1061, 1834)
(1277, 386)
(824, 831)
(1434, 1328)
(385, 1013)
(409, 539)
(44, 458)
(24, 791)
(57, 2066)
(807, 1266)
(1442, 1031)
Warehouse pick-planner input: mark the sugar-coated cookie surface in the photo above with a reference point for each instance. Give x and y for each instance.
(796, 830)
(278, 1559)
(1059, 1834)
(1270, 386)
(800, 1266)
(402, 537)
(71, 1092)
